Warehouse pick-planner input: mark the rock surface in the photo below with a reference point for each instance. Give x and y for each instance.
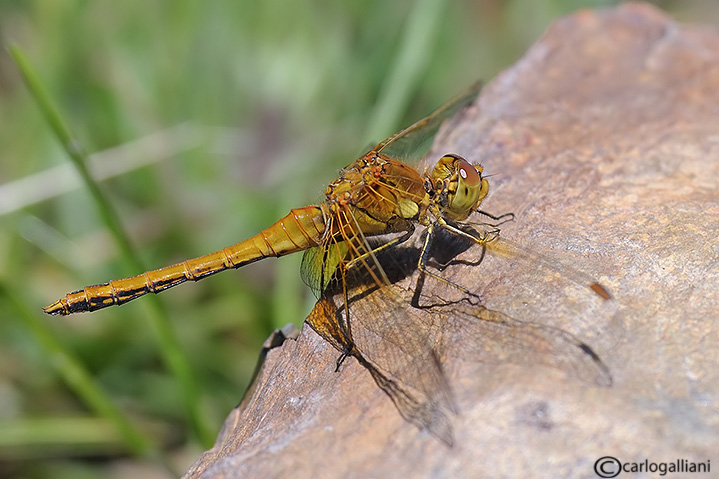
(604, 141)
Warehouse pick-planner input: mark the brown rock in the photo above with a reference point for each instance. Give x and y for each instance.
(604, 141)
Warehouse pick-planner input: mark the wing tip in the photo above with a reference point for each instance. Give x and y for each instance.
(601, 291)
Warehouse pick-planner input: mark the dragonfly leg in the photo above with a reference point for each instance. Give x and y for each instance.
(424, 256)
(501, 219)
(347, 329)
(481, 238)
(341, 359)
(373, 252)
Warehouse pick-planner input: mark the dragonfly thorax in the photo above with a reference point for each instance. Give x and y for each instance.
(374, 195)
(457, 186)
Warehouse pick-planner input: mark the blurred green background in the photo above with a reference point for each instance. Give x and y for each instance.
(208, 121)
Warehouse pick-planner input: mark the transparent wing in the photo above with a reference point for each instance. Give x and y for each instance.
(503, 247)
(320, 264)
(396, 345)
(492, 337)
(412, 143)
(408, 349)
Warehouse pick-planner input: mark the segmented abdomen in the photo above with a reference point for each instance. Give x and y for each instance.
(301, 229)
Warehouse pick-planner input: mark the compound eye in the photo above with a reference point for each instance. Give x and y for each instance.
(471, 189)
(468, 174)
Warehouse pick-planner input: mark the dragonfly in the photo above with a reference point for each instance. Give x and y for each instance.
(373, 207)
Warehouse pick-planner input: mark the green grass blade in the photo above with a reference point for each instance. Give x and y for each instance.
(80, 381)
(170, 348)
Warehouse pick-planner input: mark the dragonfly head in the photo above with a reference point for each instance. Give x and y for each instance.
(462, 187)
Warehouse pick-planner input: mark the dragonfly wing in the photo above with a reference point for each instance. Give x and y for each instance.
(492, 337)
(412, 143)
(399, 344)
(415, 408)
(342, 242)
(401, 363)
(503, 247)
(319, 265)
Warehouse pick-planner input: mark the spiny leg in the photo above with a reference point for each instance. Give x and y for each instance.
(501, 219)
(483, 238)
(343, 355)
(374, 251)
(424, 256)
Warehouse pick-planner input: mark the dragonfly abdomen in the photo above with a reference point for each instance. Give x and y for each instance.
(301, 229)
